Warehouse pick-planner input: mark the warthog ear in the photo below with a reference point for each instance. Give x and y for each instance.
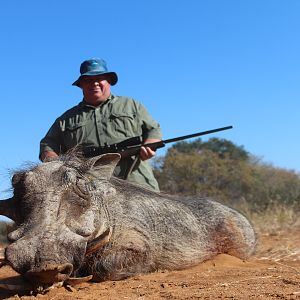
(103, 166)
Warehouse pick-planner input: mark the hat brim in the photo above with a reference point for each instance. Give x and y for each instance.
(113, 77)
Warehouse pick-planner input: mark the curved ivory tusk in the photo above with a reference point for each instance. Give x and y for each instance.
(98, 242)
(3, 263)
(76, 280)
(8, 209)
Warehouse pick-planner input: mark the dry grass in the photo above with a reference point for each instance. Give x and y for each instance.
(276, 218)
(273, 219)
(272, 224)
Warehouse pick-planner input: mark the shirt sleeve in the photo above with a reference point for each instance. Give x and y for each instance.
(151, 129)
(51, 141)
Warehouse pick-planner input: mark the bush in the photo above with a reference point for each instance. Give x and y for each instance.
(226, 172)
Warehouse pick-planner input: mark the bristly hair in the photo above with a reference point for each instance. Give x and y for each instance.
(74, 154)
(74, 158)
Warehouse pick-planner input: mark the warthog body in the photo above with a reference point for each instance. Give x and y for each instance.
(74, 219)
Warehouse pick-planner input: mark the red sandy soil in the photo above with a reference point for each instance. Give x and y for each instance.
(272, 273)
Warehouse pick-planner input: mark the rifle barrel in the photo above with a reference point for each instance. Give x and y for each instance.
(196, 134)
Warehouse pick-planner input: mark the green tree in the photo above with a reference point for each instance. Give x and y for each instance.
(222, 147)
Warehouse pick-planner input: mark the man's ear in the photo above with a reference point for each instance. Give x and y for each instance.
(103, 166)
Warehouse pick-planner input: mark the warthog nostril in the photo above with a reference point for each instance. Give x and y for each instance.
(50, 273)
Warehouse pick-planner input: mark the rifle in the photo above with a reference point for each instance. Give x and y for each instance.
(132, 146)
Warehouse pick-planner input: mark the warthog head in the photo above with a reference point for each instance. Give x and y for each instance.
(58, 220)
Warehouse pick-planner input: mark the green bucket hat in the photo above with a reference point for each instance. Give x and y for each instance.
(93, 67)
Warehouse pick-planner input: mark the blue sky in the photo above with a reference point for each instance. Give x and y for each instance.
(196, 65)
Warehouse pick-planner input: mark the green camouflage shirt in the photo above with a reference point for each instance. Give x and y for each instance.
(115, 120)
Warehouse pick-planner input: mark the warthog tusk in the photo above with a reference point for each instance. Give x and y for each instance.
(76, 280)
(7, 208)
(3, 263)
(97, 233)
(98, 242)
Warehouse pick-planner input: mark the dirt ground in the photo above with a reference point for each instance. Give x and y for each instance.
(272, 273)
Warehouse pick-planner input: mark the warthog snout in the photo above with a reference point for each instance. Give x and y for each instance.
(50, 273)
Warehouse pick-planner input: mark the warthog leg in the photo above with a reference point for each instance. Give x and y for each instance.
(16, 287)
(27, 287)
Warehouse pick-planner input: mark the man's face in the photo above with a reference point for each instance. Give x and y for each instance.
(96, 89)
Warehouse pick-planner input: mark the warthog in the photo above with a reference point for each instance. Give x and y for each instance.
(74, 220)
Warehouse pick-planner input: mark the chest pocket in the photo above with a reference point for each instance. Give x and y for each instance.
(124, 124)
(75, 134)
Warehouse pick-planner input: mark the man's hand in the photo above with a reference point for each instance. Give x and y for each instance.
(147, 152)
(47, 155)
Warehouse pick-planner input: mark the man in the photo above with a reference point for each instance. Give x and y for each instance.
(102, 118)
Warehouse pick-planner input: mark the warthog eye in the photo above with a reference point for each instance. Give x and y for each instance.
(77, 184)
(80, 190)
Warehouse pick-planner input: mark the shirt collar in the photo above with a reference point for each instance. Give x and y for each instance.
(84, 104)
